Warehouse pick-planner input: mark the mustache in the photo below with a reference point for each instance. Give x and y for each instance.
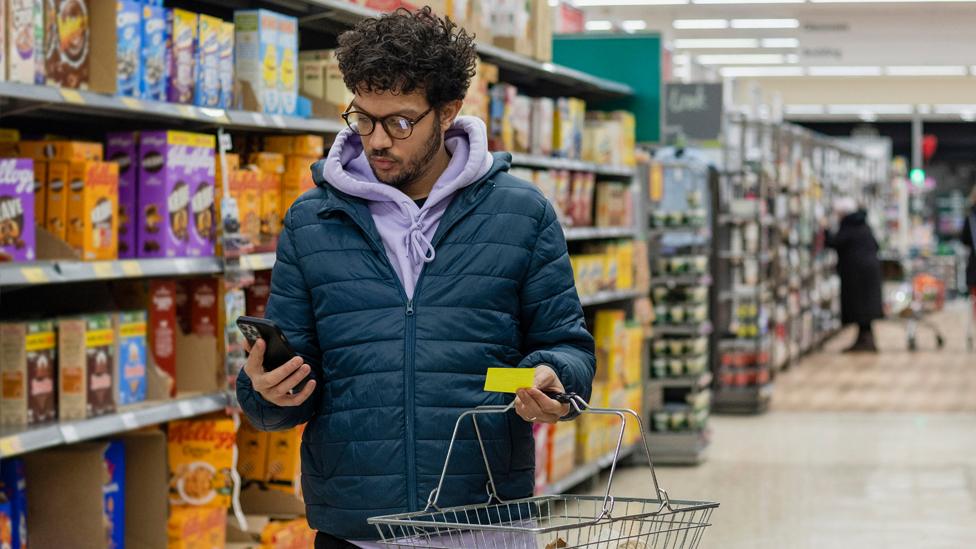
(385, 155)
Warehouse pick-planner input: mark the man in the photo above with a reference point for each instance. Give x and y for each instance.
(415, 265)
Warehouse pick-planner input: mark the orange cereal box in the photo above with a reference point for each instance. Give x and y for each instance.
(196, 528)
(201, 455)
(93, 203)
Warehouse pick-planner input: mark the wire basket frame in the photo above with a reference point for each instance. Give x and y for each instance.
(551, 522)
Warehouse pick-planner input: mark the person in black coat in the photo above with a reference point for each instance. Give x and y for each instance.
(860, 273)
(968, 237)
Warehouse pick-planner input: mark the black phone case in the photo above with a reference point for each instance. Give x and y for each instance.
(277, 350)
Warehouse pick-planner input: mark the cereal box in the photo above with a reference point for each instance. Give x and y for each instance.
(56, 197)
(23, 19)
(93, 202)
(67, 41)
(113, 493)
(74, 150)
(121, 149)
(129, 49)
(252, 445)
(6, 512)
(13, 483)
(173, 167)
(153, 70)
(256, 59)
(542, 113)
(305, 145)
(201, 455)
(40, 202)
(196, 528)
(208, 62)
(287, 64)
(86, 365)
(257, 294)
(270, 185)
(225, 65)
(284, 456)
(28, 369)
(3, 46)
(17, 209)
(203, 306)
(130, 338)
(183, 38)
(162, 328)
(244, 189)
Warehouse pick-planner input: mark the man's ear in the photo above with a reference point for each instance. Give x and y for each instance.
(449, 113)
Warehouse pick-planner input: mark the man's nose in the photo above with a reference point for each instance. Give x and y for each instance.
(379, 139)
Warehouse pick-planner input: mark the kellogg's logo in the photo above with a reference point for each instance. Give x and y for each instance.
(21, 178)
(191, 158)
(201, 431)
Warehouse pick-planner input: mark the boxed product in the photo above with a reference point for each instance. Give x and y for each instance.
(478, 100)
(521, 120)
(162, 328)
(13, 485)
(270, 185)
(582, 186)
(126, 30)
(568, 122)
(74, 150)
(208, 62)
(182, 27)
(300, 145)
(10, 143)
(635, 348)
(562, 200)
(542, 433)
(608, 327)
(252, 447)
(287, 40)
(196, 528)
(540, 30)
(130, 375)
(203, 306)
(40, 193)
(56, 197)
(86, 355)
(174, 166)
(154, 69)
(6, 511)
(28, 368)
(562, 456)
(625, 265)
(256, 59)
(67, 43)
(93, 223)
(257, 294)
(17, 238)
(225, 65)
(120, 148)
(25, 24)
(113, 493)
(284, 457)
(510, 26)
(203, 216)
(545, 180)
(244, 189)
(500, 130)
(201, 455)
(542, 113)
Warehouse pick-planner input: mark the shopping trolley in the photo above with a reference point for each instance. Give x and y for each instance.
(551, 522)
(912, 291)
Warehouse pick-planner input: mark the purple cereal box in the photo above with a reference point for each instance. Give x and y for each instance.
(203, 213)
(121, 149)
(182, 32)
(17, 209)
(172, 167)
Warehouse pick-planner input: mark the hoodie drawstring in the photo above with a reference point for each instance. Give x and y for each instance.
(420, 247)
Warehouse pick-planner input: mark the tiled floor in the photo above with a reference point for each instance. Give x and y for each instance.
(858, 452)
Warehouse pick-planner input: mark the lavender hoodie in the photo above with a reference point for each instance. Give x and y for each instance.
(407, 230)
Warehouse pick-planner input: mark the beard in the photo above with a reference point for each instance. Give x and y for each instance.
(415, 168)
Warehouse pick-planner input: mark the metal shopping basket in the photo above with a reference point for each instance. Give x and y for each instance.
(551, 522)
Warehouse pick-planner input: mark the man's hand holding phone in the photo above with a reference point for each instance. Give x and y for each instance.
(275, 386)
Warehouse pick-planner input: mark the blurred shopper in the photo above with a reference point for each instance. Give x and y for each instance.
(860, 272)
(969, 239)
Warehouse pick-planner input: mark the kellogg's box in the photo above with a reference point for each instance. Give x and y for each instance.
(17, 209)
(256, 59)
(173, 167)
(203, 214)
(121, 149)
(93, 203)
(25, 24)
(208, 62)
(13, 484)
(201, 457)
(182, 26)
(154, 69)
(86, 350)
(129, 49)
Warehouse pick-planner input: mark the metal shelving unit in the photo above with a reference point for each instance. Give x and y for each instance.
(61, 272)
(585, 472)
(554, 163)
(598, 233)
(679, 448)
(603, 298)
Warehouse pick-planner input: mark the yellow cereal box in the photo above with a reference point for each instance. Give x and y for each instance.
(196, 528)
(252, 447)
(201, 454)
(284, 456)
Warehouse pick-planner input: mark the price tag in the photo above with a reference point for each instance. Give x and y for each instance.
(129, 421)
(278, 120)
(72, 96)
(259, 119)
(187, 111)
(10, 446)
(103, 269)
(216, 114)
(34, 275)
(131, 268)
(509, 380)
(186, 409)
(70, 434)
(133, 103)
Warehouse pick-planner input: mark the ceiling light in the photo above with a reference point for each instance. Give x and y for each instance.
(780, 42)
(926, 70)
(874, 109)
(742, 59)
(713, 43)
(634, 25)
(804, 109)
(605, 3)
(844, 71)
(598, 25)
(682, 59)
(749, 1)
(700, 24)
(732, 72)
(765, 24)
(868, 116)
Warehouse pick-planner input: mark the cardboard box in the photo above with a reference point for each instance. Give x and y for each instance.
(510, 26)
(225, 65)
(25, 20)
(121, 148)
(284, 457)
(203, 216)
(252, 446)
(13, 484)
(154, 68)
(297, 146)
(500, 130)
(86, 366)
(56, 197)
(294, 185)
(270, 208)
(116, 45)
(163, 328)
(287, 41)
(74, 150)
(257, 59)
(40, 199)
(131, 370)
(257, 294)
(196, 528)
(207, 68)
(93, 210)
(17, 235)
(542, 433)
(201, 455)
(203, 306)
(67, 40)
(562, 458)
(244, 188)
(113, 493)
(608, 325)
(145, 489)
(521, 120)
(6, 512)
(542, 113)
(271, 531)
(183, 28)
(27, 372)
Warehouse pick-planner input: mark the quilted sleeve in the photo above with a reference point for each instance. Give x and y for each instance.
(290, 307)
(551, 316)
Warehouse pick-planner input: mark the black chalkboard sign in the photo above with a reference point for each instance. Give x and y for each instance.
(693, 110)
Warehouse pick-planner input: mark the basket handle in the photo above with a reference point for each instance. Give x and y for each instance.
(581, 407)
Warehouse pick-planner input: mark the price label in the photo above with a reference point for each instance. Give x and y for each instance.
(10, 446)
(103, 269)
(187, 111)
(259, 119)
(129, 421)
(34, 275)
(278, 120)
(131, 268)
(186, 409)
(133, 103)
(70, 434)
(72, 96)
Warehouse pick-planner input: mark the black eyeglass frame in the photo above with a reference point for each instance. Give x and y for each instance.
(374, 120)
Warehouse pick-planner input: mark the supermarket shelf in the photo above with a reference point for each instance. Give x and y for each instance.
(702, 380)
(54, 272)
(601, 298)
(585, 472)
(747, 343)
(741, 256)
(733, 219)
(688, 229)
(596, 233)
(742, 400)
(553, 163)
(16, 97)
(681, 448)
(701, 329)
(258, 262)
(743, 292)
(682, 280)
(14, 442)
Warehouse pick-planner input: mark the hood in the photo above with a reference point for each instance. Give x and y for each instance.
(859, 217)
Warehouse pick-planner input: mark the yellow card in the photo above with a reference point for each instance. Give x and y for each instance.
(34, 274)
(509, 380)
(131, 268)
(104, 269)
(72, 96)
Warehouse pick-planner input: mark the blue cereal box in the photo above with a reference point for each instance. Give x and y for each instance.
(225, 66)
(13, 484)
(208, 62)
(153, 69)
(287, 63)
(182, 28)
(256, 59)
(114, 494)
(129, 51)
(130, 336)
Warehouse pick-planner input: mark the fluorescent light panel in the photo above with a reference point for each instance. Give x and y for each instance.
(804, 109)
(780, 43)
(765, 24)
(634, 25)
(598, 25)
(844, 71)
(715, 43)
(742, 59)
(746, 72)
(926, 70)
(872, 109)
(702, 24)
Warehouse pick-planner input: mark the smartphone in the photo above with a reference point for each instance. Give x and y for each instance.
(277, 350)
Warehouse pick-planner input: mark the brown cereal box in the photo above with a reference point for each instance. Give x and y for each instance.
(86, 366)
(28, 363)
(67, 42)
(284, 456)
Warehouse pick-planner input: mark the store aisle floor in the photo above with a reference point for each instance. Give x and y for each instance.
(843, 479)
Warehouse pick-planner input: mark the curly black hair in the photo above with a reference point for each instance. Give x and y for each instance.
(404, 51)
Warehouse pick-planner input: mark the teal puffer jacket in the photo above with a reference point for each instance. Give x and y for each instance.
(393, 376)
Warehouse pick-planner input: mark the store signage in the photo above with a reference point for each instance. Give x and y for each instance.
(693, 111)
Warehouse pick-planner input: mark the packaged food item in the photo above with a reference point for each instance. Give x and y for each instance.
(500, 130)
(203, 214)
(28, 373)
(256, 59)
(562, 457)
(270, 208)
(244, 188)
(203, 306)
(17, 236)
(114, 494)
(297, 180)
(67, 43)
(56, 197)
(74, 150)
(162, 328)
(298, 145)
(6, 518)
(196, 528)
(120, 148)
(208, 62)
(86, 364)
(40, 193)
(284, 457)
(183, 29)
(154, 68)
(10, 143)
(287, 42)
(542, 113)
(24, 22)
(13, 485)
(201, 455)
(225, 65)
(608, 326)
(252, 446)
(130, 375)
(521, 121)
(257, 294)
(93, 209)
(173, 165)
(129, 47)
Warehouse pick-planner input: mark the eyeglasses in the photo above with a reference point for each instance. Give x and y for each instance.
(396, 126)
